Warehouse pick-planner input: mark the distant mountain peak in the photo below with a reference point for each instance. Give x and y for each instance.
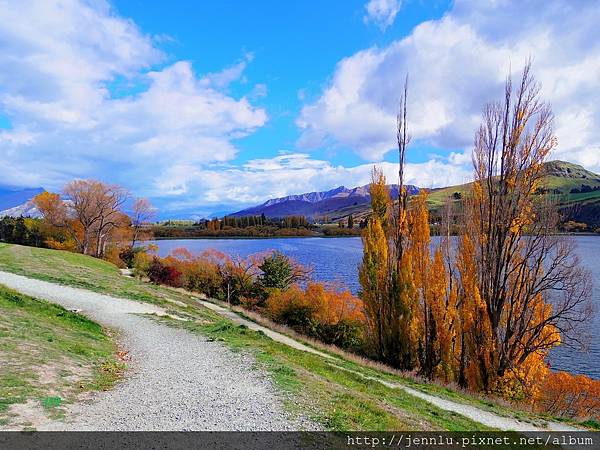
(11, 197)
(318, 203)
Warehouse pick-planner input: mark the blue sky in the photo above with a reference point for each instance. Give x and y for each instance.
(207, 107)
(294, 47)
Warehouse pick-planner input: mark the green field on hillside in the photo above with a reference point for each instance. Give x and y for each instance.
(562, 177)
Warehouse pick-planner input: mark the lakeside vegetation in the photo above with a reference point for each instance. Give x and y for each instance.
(484, 317)
(49, 357)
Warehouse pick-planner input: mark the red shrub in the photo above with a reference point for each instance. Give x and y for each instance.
(160, 273)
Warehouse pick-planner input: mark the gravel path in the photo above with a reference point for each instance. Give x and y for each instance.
(177, 380)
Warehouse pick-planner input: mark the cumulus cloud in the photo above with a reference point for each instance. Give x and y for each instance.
(458, 63)
(59, 73)
(382, 12)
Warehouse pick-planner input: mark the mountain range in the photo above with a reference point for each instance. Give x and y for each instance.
(576, 188)
(333, 203)
(15, 201)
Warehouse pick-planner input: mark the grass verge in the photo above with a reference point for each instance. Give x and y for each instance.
(49, 356)
(313, 386)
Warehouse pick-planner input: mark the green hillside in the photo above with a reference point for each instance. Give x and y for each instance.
(577, 191)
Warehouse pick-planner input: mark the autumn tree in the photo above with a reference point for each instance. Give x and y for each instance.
(142, 213)
(573, 396)
(58, 221)
(386, 272)
(373, 271)
(90, 214)
(97, 208)
(523, 288)
(435, 299)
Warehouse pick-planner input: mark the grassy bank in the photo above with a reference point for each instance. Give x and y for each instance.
(48, 357)
(338, 393)
(77, 270)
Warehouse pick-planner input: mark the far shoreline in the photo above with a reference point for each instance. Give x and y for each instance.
(185, 238)
(249, 237)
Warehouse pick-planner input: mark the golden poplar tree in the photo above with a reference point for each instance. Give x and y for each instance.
(386, 273)
(373, 274)
(520, 282)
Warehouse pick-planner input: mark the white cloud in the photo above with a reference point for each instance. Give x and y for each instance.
(228, 75)
(61, 67)
(292, 173)
(458, 63)
(382, 12)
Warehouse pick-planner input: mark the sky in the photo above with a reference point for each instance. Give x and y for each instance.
(208, 107)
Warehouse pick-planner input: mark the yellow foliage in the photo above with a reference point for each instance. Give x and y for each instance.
(69, 245)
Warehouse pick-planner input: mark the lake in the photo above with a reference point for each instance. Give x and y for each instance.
(337, 259)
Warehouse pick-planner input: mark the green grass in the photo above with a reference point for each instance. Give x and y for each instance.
(579, 198)
(592, 424)
(48, 356)
(73, 269)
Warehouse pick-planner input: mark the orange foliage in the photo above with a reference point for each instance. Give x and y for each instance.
(331, 315)
(373, 271)
(281, 304)
(324, 303)
(68, 245)
(51, 207)
(112, 255)
(201, 273)
(333, 306)
(566, 395)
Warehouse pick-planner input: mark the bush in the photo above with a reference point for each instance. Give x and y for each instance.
(346, 334)
(202, 275)
(277, 271)
(113, 255)
(128, 254)
(68, 245)
(331, 315)
(141, 264)
(160, 273)
(293, 308)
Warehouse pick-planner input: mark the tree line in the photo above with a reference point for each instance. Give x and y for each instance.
(22, 231)
(253, 226)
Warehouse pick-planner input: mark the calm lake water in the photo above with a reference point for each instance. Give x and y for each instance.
(337, 259)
